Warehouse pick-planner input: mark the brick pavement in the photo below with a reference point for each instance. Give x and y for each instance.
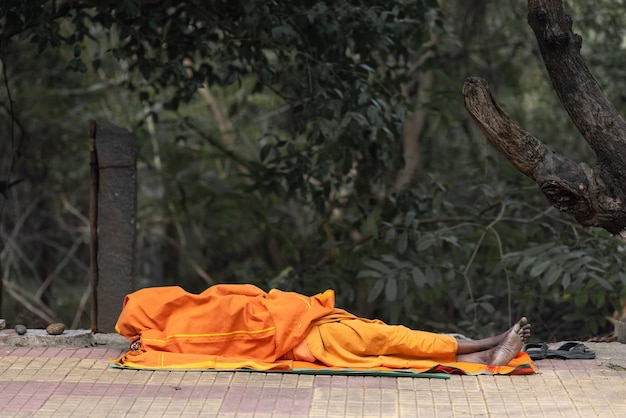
(77, 382)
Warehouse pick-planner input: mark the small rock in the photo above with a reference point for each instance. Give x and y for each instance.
(55, 329)
(20, 329)
(3, 323)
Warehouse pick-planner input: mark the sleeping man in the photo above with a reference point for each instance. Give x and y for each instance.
(235, 326)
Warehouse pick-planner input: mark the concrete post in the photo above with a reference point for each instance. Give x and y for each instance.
(116, 151)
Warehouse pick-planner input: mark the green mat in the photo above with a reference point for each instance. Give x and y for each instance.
(325, 372)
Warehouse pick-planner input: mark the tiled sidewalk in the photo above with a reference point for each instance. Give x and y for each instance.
(62, 382)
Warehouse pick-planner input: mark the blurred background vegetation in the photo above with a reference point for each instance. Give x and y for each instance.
(304, 145)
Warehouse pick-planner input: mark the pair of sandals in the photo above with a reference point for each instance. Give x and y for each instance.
(567, 351)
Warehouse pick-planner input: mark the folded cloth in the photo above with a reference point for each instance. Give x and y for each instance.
(229, 327)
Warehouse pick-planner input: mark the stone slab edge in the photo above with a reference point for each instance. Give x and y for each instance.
(69, 339)
(40, 338)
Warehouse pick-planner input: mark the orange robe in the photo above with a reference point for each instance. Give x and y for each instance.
(241, 326)
(344, 340)
(224, 326)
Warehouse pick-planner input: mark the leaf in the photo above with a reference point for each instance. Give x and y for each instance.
(581, 298)
(433, 276)
(425, 242)
(551, 276)
(418, 277)
(326, 129)
(265, 150)
(403, 287)
(390, 235)
(470, 306)
(283, 33)
(359, 118)
(229, 78)
(598, 299)
(575, 265)
(488, 307)
(378, 266)
(369, 228)
(403, 242)
(376, 289)
(567, 279)
(81, 66)
(391, 259)
(367, 274)
(521, 268)
(452, 240)
(539, 249)
(565, 255)
(373, 115)
(409, 218)
(77, 64)
(601, 281)
(400, 111)
(391, 289)
(538, 269)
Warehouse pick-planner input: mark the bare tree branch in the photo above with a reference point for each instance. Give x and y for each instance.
(594, 195)
(594, 116)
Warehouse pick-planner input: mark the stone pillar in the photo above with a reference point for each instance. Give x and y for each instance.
(116, 151)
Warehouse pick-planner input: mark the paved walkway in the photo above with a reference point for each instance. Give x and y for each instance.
(77, 382)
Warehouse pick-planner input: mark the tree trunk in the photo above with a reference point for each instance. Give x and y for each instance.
(594, 195)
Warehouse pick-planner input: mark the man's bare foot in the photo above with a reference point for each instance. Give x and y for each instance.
(499, 350)
(524, 332)
(506, 351)
(522, 328)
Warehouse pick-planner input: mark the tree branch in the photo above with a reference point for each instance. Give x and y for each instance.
(595, 196)
(521, 148)
(594, 116)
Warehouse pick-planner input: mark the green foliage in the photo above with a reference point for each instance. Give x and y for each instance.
(489, 268)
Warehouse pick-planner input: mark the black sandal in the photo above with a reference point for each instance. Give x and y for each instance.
(536, 351)
(571, 350)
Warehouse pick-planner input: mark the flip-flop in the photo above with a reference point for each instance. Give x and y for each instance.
(536, 351)
(571, 350)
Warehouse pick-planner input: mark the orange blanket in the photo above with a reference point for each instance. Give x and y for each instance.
(241, 326)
